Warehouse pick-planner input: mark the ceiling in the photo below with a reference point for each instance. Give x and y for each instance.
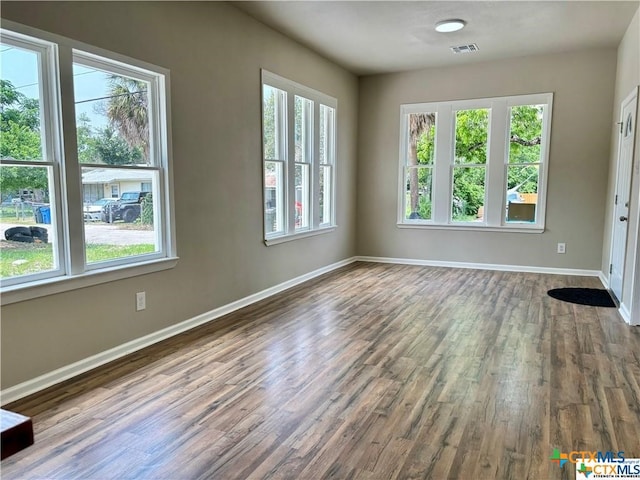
(368, 37)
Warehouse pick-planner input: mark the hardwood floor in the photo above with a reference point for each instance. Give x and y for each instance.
(372, 372)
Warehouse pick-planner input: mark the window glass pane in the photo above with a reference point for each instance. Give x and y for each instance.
(20, 104)
(418, 193)
(273, 123)
(303, 129)
(325, 194)
(112, 117)
(422, 136)
(121, 227)
(273, 195)
(468, 194)
(522, 193)
(302, 196)
(28, 242)
(326, 134)
(472, 128)
(525, 133)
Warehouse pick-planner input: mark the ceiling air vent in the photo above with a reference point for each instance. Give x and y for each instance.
(472, 47)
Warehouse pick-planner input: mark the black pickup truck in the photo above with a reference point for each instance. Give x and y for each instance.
(126, 208)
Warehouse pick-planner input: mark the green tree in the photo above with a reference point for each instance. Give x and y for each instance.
(524, 147)
(471, 149)
(18, 108)
(19, 124)
(86, 142)
(471, 134)
(472, 129)
(111, 149)
(468, 191)
(20, 140)
(14, 178)
(128, 112)
(103, 145)
(268, 122)
(421, 150)
(146, 210)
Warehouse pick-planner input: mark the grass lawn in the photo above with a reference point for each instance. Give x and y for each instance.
(22, 258)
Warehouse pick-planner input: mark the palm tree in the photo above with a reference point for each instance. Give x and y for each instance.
(128, 111)
(419, 123)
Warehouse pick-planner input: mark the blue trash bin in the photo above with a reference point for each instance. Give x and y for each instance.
(46, 215)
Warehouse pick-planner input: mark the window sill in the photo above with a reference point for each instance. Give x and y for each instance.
(51, 286)
(520, 228)
(296, 236)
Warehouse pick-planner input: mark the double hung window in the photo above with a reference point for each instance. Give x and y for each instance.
(475, 164)
(85, 163)
(298, 132)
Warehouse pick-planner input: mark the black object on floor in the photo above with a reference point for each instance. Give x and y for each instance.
(595, 297)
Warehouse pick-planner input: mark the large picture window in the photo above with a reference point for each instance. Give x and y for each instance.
(475, 164)
(83, 193)
(298, 132)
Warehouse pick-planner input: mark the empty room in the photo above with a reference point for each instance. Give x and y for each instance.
(306, 240)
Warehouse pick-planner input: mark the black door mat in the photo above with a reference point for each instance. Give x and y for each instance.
(595, 297)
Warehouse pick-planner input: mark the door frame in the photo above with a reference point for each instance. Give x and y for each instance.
(630, 311)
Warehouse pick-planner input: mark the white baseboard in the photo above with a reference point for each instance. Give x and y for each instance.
(623, 310)
(29, 387)
(625, 313)
(482, 266)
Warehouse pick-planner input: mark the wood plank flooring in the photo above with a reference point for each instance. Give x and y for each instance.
(374, 371)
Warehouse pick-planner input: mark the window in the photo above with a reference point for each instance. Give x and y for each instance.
(298, 133)
(29, 168)
(525, 161)
(73, 222)
(475, 164)
(117, 140)
(419, 165)
(470, 164)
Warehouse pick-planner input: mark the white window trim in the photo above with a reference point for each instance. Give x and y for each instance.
(497, 158)
(318, 98)
(74, 273)
(296, 236)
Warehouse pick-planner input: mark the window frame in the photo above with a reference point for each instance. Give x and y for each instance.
(156, 152)
(497, 163)
(288, 160)
(74, 272)
(49, 136)
(329, 162)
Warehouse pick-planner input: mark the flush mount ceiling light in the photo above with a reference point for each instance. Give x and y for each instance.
(452, 25)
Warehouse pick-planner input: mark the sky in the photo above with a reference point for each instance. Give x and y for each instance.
(20, 67)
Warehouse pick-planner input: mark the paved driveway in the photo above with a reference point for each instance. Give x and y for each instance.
(104, 234)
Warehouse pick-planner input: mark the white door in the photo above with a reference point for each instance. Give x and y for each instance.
(623, 192)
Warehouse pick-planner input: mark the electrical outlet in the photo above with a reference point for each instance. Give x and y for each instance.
(141, 301)
(562, 248)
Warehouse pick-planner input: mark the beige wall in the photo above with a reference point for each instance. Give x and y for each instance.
(582, 84)
(627, 78)
(215, 53)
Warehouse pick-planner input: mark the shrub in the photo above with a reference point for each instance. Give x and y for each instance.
(146, 210)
